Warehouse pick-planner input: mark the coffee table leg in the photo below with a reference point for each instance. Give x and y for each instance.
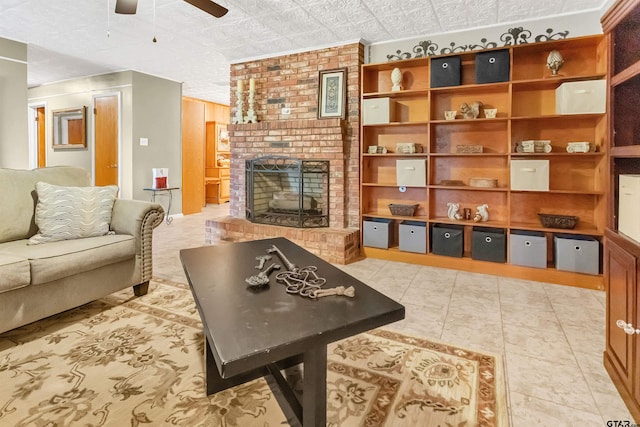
(314, 386)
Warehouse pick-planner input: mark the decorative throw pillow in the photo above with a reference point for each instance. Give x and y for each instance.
(64, 213)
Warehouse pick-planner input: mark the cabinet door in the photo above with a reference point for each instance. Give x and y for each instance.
(224, 188)
(620, 271)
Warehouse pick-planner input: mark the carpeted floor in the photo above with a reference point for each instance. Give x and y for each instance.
(126, 361)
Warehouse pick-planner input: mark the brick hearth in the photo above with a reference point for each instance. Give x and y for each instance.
(335, 245)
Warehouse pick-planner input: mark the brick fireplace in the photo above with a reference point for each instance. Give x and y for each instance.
(292, 81)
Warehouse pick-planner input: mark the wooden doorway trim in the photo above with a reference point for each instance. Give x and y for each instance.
(37, 135)
(107, 139)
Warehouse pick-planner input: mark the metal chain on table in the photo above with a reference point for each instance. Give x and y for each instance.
(303, 281)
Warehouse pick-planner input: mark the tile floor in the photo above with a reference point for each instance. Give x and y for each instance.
(551, 337)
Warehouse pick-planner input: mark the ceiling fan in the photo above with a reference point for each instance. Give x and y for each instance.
(128, 7)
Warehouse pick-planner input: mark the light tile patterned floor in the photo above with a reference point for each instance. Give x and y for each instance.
(551, 336)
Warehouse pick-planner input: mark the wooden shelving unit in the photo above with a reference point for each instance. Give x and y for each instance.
(621, 25)
(578, 182)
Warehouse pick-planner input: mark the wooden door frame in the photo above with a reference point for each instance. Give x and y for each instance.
(92, 137)
(33, 133)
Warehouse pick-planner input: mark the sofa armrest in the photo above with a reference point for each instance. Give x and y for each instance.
(138, 218)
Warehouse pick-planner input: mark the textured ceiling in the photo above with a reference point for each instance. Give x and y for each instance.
(72, 38)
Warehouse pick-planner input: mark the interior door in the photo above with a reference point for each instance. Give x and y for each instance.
(106, 139)
(193, 150)
(42, 143)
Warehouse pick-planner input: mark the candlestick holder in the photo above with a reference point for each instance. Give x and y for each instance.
(251, 114)
(238, 118)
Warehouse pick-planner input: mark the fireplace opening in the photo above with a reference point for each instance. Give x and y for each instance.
(287, 191)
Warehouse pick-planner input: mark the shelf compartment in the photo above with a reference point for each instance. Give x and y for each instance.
(576, 174)
(380, 170)
(492, 135)
(389, 136)
(560, 129)
(626, 111)
(467, 167)
(583, 55)
(626, 34)
(525, 206)
(497, 201)
(377, 77)
(495, 96)
(375, 200)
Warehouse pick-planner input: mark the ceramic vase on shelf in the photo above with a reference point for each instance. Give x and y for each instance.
(554, 62)
(396, 79)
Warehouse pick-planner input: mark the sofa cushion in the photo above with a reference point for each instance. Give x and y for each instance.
(65, 213)
(14, 272)
(55, 260)
(18, 196)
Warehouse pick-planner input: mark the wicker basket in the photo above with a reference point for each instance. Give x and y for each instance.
(403, 210)
(558, 221)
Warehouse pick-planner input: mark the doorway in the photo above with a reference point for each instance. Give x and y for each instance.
(106, 114)
(37, 136)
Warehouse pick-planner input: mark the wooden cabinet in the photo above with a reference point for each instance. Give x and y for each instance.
(217, 163)
(526, 104)
(621, 25)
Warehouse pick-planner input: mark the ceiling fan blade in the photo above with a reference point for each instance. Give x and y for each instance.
(210, 7)
(126, 7)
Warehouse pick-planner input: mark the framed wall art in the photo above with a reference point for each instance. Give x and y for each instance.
(222, 137)
(332, 93)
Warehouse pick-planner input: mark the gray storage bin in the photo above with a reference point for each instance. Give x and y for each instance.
(577, 253)
(528, 248)
(447, 240)
(377, 232)
(413, 236)
(489, 244)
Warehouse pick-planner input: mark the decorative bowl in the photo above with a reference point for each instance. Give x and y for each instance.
(558, 221)
(403, 210)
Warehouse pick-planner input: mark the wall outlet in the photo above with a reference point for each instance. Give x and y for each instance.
(144, 142)
(286, 111)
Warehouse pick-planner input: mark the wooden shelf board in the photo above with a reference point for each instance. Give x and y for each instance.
(470, 222)
(468, 188)
(581, 228)
(421, 123)
(625, 151)
(560, 117)
(466, 121)
(547, 275)
(560, 154)
(396, 94)
(567, 192)
(554, 81)
(396, 155)
(468, 154)
(390, 184)
(395, 217)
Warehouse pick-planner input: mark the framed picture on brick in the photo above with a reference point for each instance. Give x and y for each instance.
(332, 93)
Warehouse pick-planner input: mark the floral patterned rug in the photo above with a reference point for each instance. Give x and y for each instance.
(126, 361)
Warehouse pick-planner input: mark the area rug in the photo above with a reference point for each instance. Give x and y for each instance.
(126, 361)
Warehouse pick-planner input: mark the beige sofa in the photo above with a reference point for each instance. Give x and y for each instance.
(39, 280)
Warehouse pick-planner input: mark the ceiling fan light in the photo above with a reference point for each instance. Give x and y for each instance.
(126, 7)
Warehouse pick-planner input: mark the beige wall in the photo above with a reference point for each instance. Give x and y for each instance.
(150, 107)
(14, 134)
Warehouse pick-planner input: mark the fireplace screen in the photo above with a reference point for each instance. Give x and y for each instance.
(288, 192)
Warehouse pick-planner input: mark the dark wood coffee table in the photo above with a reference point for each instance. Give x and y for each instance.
(253, 333)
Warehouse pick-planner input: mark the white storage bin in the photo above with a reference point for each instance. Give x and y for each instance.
(411, 173)
(532, 175)
(581, 97)
(629, 206)
(378, 110)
